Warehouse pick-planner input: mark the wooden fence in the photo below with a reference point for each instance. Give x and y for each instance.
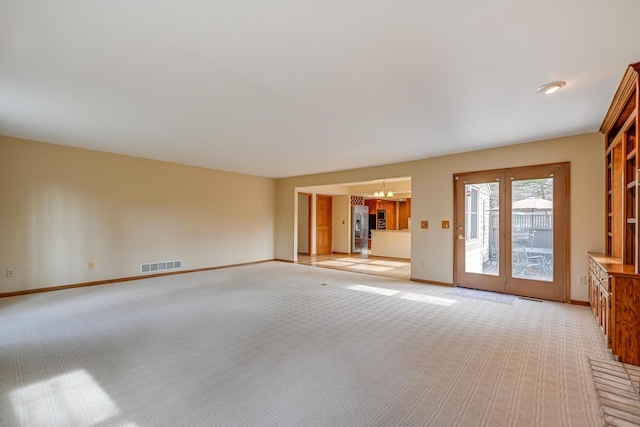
(532, 229)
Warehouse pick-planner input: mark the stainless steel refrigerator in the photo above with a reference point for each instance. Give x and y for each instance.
(359, 229)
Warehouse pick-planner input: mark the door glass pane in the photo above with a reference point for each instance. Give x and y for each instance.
(481, 207)
(532, 229)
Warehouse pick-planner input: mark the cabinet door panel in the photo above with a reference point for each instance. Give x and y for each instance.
(625, 318)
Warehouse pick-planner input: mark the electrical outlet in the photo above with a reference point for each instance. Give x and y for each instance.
(90, 265)
(445, 224)
(10, 272)
(424, 224)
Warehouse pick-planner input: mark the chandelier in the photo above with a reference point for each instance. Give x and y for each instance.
(383, 192)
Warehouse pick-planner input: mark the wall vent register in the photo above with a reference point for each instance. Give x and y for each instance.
(158, 267)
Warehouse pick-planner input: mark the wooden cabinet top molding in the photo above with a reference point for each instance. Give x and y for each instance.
(620, 99)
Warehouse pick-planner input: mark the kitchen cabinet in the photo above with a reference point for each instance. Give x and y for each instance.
(404, 213)
(372, 204)
(392, 218)
(389, 206)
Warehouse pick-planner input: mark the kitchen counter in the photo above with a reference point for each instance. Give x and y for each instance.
(391, 243)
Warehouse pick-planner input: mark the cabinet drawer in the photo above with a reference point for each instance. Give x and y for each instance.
(605, 282)
(603, 278)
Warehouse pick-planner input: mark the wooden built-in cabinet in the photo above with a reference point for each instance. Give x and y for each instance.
(615, 300)
(621, 165)
(600, 292)
(614, 279)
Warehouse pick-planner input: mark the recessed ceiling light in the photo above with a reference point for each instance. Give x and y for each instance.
(551, 87)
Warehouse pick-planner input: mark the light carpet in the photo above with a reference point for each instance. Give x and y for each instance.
(288, 345)
(484, 295)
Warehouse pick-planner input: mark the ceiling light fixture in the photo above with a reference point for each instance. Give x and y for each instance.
(551, 87)
(383, 192)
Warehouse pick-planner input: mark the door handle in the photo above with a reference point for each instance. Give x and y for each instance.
(460, 237)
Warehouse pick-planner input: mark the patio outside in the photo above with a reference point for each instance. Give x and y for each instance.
(531, 229)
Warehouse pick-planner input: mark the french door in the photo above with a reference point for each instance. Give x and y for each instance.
(511, 231)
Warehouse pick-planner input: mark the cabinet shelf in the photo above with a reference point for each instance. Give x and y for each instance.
(631, 220)
(631, 184)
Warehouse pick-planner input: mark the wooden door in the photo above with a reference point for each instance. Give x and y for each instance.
(323, 224)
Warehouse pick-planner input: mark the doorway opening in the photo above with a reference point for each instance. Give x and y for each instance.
(361, 221)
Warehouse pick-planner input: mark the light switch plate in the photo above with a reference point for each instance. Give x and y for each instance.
(445, 224)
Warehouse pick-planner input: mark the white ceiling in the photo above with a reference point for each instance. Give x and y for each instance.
(290, 87)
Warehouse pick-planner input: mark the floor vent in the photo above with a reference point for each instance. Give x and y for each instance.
(532, 299)
(159, 267)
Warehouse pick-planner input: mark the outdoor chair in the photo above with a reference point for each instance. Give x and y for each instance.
(525, 264)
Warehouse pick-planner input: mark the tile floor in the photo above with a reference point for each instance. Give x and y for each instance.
(617, 387)
(397, 268)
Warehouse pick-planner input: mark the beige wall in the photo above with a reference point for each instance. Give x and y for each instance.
(63, 207)
(432, 200)
(303, 223)
(341, 224)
